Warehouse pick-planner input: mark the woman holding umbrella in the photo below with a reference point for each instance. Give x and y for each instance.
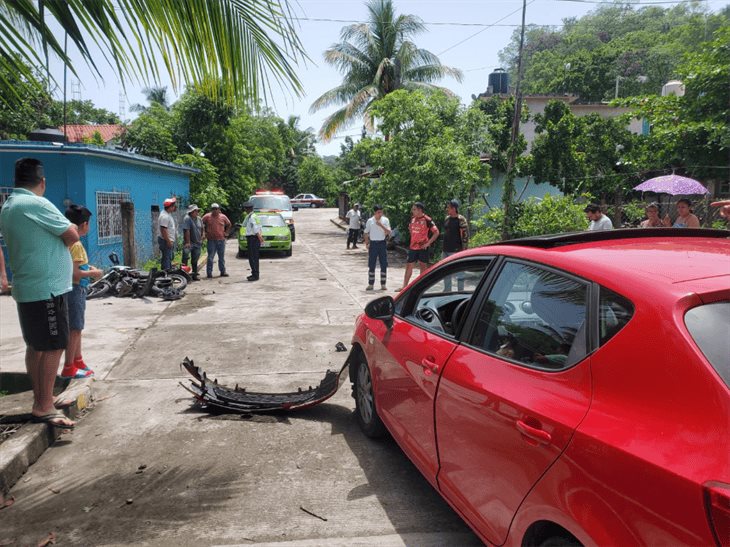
(685, 218)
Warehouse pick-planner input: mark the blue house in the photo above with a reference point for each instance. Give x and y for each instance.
(101, 179)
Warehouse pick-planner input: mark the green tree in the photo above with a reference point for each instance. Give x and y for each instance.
(549, 215)
(80, 113)
(299, 145)
(21, 117)
(200, 42)
(316, 177)
(151, 134)
(154, 95)
(555, 155)
(377, 58)
(204, 186)
(430, 157)
(96, 139)
(640, 47)
(692, 132)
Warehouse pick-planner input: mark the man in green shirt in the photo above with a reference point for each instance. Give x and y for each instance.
(38, 238)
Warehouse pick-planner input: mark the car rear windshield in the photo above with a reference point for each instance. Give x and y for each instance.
(271, 202)
(709, 325)
(272, 221)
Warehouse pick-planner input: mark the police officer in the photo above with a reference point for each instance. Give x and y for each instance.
(254, 239)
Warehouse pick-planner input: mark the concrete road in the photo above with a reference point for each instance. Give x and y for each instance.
(146, 467)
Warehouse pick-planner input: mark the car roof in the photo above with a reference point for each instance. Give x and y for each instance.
(662, 260)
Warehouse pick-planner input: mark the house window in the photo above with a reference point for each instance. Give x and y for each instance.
(109, 216)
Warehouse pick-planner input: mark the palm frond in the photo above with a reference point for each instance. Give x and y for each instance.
(333, 124)
(338, 95)
(226, 47)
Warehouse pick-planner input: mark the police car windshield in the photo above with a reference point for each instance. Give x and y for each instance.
(281, 203)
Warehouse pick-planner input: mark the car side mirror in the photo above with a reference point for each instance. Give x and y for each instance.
(295, 208)
(383, 309)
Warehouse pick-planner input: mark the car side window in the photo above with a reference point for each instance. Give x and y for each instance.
(535, 317)
(614, 311)
(442, 300)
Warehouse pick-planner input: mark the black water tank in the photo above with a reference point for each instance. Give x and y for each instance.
(47, 135)
(499, 81)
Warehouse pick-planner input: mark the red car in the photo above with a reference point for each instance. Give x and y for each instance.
(563, 390)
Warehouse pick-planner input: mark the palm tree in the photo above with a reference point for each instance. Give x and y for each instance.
(154, 95)
(376, 58)
(202, 43)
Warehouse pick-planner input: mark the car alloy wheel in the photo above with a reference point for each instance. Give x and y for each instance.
(367, 415)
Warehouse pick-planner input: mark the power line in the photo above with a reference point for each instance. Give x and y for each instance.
(485, 28)
(427, 23)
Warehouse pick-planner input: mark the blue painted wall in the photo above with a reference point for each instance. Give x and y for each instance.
(75, 173)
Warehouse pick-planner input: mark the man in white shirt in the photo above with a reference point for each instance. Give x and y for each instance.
(377, 230)
(167, 233)
(599, 221)
(254, 239)
(353, 220)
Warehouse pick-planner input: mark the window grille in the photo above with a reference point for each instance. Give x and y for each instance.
(5, 191)
(109, 216)
(724, 188)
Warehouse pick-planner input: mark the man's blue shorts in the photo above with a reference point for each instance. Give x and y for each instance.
(77, 308)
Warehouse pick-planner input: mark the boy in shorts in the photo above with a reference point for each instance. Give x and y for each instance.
(423, 233)
(74, 366)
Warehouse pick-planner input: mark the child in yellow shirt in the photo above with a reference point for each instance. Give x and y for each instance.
(74, 366)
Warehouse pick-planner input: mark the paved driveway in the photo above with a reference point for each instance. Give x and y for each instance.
(146, 467)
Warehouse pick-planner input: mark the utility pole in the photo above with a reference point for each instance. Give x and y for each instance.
(508, 192)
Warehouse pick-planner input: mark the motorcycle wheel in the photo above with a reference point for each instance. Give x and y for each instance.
(179, 281)
(98, 289)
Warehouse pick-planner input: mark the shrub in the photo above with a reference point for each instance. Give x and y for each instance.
(549, 215)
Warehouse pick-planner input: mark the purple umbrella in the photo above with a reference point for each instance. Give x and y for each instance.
(672, 184)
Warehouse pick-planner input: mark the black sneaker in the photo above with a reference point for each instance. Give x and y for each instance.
(224, 274)
(252, 278)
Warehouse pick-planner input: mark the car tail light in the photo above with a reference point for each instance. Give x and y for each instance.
(717, 502)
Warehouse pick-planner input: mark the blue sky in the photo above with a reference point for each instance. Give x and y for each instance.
(451, 33)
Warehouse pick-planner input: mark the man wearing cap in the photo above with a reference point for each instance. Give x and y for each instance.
(192, 237)
(215, 228)
(254, 239)
(353, 220)
(167, 232)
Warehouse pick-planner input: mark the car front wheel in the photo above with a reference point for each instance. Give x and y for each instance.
(367, 415)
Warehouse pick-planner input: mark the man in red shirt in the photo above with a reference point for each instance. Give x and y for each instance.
(423, 233)
(215, 228)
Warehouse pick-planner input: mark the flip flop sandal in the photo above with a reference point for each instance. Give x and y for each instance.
(49, 419)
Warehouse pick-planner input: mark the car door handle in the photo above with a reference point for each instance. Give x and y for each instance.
(429, 365)
(534, 433)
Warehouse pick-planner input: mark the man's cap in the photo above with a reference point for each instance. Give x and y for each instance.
(248, 205)
(215, 206)
(356, 205)
(169, 201)
(192, 207)
(453, 203)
